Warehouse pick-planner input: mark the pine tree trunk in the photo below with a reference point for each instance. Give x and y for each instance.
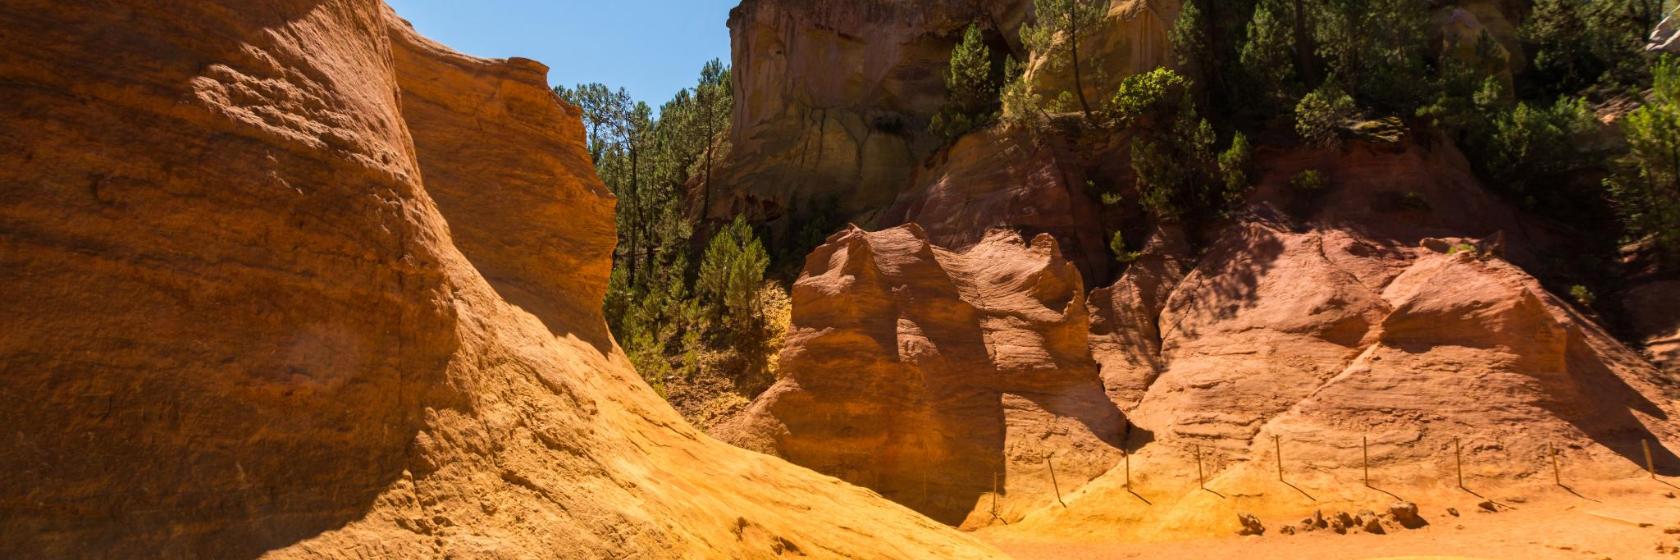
(634, 213)
(1303, 46)
(1078, 81)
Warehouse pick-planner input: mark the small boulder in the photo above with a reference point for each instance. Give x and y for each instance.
(1372, 525)
(1406, 514)
(1318, 520)
(1452, 511)
(1250, 525)
(1488, 506)
(1341, 522)
(1287, 530)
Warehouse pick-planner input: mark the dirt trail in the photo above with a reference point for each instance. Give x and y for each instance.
(1620, 520)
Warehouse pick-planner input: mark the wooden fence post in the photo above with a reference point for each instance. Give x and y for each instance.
(1458, 462)
(1277, 444)
(1650, 465)
(1201, 480)
(1128, 456)
(1557, 476)
(1053, 483)
(1365, 456)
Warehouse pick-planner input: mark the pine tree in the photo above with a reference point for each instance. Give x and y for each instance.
(713, 103)
(971, 93)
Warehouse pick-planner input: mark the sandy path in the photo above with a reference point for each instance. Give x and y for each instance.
(1555, 526)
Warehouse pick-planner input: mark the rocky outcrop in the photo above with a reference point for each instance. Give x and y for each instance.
(282, 278)
(997, 178)
(1473, 348)
(1289, 308)
(932, 375)
(832, 99)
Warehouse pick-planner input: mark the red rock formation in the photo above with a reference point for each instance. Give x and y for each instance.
(256, 266)
(1277, 311)
(1475, 349)
(922, 373)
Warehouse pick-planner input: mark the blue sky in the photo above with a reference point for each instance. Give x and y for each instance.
(651, 47)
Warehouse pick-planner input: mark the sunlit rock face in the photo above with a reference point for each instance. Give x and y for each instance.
(283, 278)
(930, 375)
(832, 99)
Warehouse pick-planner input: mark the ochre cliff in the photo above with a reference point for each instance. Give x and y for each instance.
(282, 278)
(832, 100)
(932, 375)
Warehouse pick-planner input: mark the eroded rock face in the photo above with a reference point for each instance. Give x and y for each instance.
(832, 99)
(998, 178)
(282, 278)
(1132, 40)
(1125, 336)
(1475, 349)
(922, 372)
(1349, 316)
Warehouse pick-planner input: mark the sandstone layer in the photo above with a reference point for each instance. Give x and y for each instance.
(282, 278)
(832, 99)
(940, 378)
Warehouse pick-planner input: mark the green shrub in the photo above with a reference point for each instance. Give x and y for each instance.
(1234, 163)
(1582, 295)
(1530, 145)
(1646, 185)
(1323, 114)
(1172, 146)
(1159, 93)
(1117, 245)
(1309, 182)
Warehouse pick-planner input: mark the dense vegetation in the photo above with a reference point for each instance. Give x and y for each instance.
(679, 312)
(1320, 72)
